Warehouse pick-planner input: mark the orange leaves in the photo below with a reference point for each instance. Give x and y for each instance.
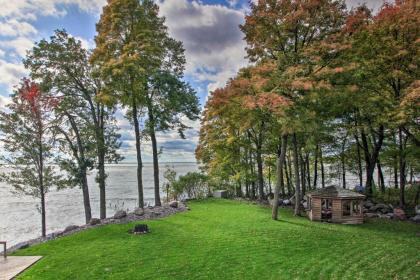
(29, 91)
(357, 20)
(268, 101)
(250, 92)
(33, 98)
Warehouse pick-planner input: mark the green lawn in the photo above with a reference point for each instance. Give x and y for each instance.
(222, 239)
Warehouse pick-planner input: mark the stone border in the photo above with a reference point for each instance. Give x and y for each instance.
(150, 213)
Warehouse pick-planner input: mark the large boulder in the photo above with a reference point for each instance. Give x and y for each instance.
(286, 202)
(94, 221)
(382, 208)
(416, 219)
(399, 214)
(173, 204)
(120, 214)
(139, 211)
(70, 228)
(368, 204)
(417, 210)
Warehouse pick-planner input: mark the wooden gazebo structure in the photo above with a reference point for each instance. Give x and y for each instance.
(335, 204)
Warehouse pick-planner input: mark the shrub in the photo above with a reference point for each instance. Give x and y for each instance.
(192, 185)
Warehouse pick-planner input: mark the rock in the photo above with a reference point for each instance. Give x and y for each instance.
(389, 216)
(417, 210)
(94, 221)
(368, 204)
(138, 211)
(173, 204)
(371, 215)
(416, 219)
(305, 205)
(153, 214)
(399, 214)
(23, 246)
(286, 202)
(70, 228)
(382, 208)
(120, 214)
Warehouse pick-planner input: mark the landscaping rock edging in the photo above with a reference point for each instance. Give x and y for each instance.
(149, 213)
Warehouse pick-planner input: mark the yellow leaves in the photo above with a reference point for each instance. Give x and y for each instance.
(105, 98)
(412, 96)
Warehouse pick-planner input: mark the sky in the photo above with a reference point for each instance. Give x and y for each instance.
(209, 30)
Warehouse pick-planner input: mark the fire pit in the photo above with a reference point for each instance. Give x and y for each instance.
(140, 229)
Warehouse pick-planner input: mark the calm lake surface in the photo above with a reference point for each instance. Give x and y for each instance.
(20, 219)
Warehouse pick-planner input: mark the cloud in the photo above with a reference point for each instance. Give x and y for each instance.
(11, 73)
(16, 28)
(32, 9)
(17, 46)
(375, 5)
(213, 41)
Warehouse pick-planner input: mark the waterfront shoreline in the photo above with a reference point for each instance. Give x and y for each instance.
(150, 213)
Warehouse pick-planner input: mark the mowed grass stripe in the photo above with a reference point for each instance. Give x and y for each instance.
(223, 239)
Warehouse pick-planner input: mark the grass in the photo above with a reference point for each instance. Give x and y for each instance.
(223, 239)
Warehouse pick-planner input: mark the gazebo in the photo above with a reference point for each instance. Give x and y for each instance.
(335, 204)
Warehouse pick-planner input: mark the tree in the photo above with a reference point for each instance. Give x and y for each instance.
(142, 66)
(29, 141)
(282, 31)
(62, 66)
(373, 62)
(168, 100)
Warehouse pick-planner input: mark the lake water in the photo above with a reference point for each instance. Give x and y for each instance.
(20, 219)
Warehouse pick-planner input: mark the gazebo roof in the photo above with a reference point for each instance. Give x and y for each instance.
(335, 192)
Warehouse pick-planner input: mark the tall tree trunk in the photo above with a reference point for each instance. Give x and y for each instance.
(322, 167)
(359, 161)
(381, 179)
(155, 158)
(86, 198)
(343, 172)
(395, 165)
(279, 184)
(246, 174)
(100, 139)
(79, 154)
(253, 191)
(371, 158)
(297, 177)
(402, 167)
(139, 160)
(316, 167)
(308, 171)
(289, 161)
(288, 183)
(260, 172)
(269, 179)
(302, 173)
(41, 188)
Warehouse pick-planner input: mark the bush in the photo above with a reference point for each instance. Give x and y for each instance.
(392, 196)
(192, 185)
